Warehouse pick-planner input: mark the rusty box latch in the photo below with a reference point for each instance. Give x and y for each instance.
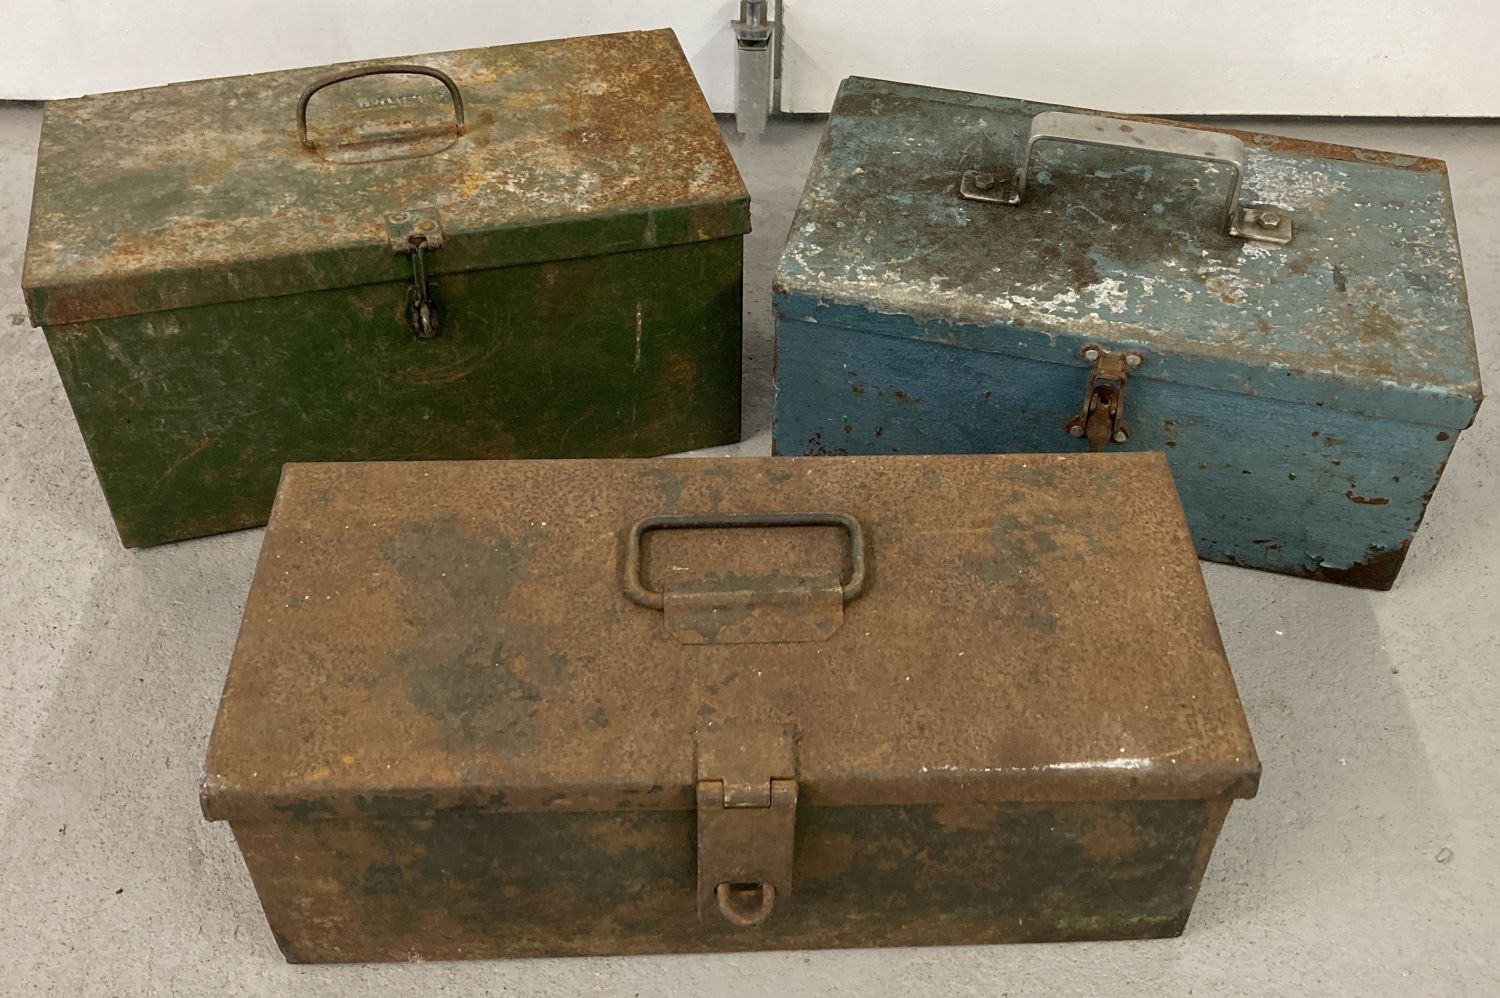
(1102, 418)
(747, 813)
(417, 232)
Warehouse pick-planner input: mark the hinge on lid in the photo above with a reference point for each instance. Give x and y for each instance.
(417, 232)
(747, 814)
(1101, 419)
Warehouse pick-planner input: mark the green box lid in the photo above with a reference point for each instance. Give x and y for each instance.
(205, 192)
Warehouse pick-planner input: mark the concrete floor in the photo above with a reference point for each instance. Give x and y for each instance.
(1368, 865)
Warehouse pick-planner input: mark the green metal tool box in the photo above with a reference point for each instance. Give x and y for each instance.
(524, 251)
(522, 708)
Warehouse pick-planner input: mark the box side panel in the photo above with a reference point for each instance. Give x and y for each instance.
(1300, 489)
(466, 884)
(189, 415)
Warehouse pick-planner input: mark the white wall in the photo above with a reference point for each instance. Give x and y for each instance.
(1304, 57)
(1313, 57)
(64, 48)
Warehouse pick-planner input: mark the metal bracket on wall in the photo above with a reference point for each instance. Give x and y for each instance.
(755, 39)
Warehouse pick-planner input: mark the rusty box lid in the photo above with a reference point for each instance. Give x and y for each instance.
(912, 225)
(536, 636)
(206, 192)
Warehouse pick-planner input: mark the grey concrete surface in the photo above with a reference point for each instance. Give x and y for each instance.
(1368, 865)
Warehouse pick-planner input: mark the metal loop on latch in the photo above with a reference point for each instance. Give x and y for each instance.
(421, 314)
(731, 897)
(416, 232)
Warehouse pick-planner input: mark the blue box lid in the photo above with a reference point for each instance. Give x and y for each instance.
(1363, 311)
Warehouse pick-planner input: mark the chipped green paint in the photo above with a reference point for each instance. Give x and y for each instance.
(670, 486)
(307, 810)
(189, 416)
(201, 193)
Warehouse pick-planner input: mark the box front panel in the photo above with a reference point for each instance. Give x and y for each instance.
(190, 414)
(1300, 489)
(462, 884)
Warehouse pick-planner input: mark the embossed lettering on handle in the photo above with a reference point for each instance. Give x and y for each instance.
(454, 95)
(1262, 223)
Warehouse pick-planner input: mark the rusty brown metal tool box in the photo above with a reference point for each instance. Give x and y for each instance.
(579, 707)
(514, 252)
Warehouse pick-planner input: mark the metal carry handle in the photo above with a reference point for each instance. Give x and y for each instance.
(636, 590)
(398, 70)
(1259, 222)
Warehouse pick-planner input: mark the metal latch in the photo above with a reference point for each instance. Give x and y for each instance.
(747, 815)
(417, 232)
(1101, 419)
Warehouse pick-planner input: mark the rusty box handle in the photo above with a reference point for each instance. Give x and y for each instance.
(1263, 223)
(639, 594)
(397, 70)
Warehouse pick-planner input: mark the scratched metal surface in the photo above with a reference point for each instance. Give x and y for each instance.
(1364, 311)
(201, 192)
(423, 636)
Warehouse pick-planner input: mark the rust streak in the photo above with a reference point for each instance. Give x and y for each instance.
(1378, 501)
(203, 444)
